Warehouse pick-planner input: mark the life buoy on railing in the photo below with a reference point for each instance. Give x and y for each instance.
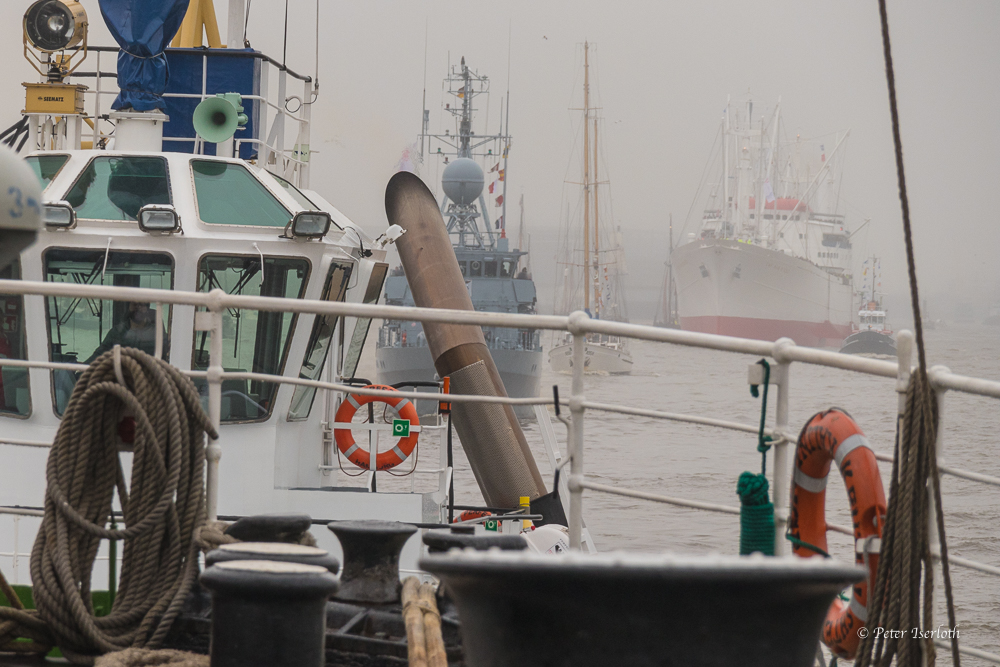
(469, 515)
(357, 454)
(833, 436)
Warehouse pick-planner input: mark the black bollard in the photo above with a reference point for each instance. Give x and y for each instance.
(268, 614)
(439, 541)
(276, 551)
(371, 559)
(270, 527)
(629, 609)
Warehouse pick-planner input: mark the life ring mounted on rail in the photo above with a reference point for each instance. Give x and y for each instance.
(827, 437)
(354, 452)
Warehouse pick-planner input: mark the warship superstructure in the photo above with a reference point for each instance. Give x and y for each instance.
(496, 274)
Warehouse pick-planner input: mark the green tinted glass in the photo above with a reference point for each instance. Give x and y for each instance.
(319, 341)
(80, 330)
(362, 324)
(115, 188)
(14, 396)
(253, 341)
(296, 194)
(46, 167)
(228, 194)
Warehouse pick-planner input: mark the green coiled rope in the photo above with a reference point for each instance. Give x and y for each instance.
(756, 509)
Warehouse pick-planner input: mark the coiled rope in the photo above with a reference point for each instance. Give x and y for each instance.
(162, 506)
(905, 551)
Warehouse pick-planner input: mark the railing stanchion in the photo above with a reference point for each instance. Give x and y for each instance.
(781, 475)
(932, 527)
(576, 446)
(211, 321)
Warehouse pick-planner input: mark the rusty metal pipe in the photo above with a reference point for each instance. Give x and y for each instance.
(491, 436)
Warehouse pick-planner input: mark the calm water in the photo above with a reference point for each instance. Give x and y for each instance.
(703, 463)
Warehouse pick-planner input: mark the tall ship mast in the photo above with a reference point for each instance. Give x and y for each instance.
(593, 273)
(778, 269)
(496, 275)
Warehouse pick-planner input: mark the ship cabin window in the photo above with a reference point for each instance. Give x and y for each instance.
(115, 188)
(507, 268)
(15, 399)
(475, 268)
(252, 341)
(490, 268)
(296, 194)
(836, 241)
(81, 330)
(335, 289)
(464, 268)
(372, 292)
(46, 167)
(300, 197)
(228, 194)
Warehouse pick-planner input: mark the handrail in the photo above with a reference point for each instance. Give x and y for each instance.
(204, 50)
(783, 350)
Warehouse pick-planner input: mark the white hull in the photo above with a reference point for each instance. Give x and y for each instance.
(597, 359)
(737, 289)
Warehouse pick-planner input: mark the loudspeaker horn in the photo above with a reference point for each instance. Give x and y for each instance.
(217, 118)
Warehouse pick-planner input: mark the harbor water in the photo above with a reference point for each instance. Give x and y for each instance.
(703, 463)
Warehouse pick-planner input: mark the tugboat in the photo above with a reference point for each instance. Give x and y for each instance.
(496, 275)
(873, 335)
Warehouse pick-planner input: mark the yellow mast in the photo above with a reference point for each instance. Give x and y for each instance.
(200, 17)
(586, 177)
(597, 238)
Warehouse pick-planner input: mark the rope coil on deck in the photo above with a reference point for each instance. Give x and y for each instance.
(161, 507)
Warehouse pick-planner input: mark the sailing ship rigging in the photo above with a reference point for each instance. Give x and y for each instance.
(596, 281)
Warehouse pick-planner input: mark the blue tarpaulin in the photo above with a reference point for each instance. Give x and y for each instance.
(143, 29)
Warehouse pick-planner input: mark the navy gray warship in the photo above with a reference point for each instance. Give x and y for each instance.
(497, 275)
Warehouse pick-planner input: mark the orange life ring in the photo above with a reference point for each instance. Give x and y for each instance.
(834, 436)
(357, 454)
(469, 515)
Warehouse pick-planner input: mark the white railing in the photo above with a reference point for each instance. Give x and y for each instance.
(784, 352)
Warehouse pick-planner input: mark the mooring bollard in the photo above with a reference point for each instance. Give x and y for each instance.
(533, 610)
(268, 613)
(275, 551)
(371, 559)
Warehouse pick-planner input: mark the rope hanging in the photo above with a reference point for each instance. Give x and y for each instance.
(756, 509)
(162, 506)
(905, 551)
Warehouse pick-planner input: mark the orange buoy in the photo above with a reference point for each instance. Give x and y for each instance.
(469, 515)
(357, 454)
(833, 436)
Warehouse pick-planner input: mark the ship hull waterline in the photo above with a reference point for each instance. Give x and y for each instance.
(736, 289)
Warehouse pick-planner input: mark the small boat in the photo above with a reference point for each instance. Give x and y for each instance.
(873, 335)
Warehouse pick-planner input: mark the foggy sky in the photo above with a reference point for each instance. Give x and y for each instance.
(664, 72)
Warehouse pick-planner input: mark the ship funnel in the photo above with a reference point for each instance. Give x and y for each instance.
(490, 433)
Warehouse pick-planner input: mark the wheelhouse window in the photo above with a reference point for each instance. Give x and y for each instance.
(318, 349)
(115, 188)
(362, 324)
(228, 194)
(253, 341)
(80, 330)
(46, 167)
(15, 398)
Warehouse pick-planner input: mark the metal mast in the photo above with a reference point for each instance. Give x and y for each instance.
(597, 237)
(586, 177)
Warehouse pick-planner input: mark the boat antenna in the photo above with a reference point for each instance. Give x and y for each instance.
(586, 177)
